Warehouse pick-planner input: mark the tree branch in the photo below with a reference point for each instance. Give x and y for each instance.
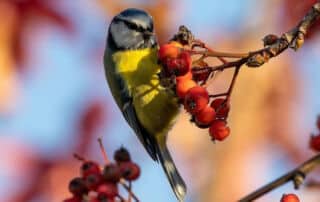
(293, 39)
(296, 176)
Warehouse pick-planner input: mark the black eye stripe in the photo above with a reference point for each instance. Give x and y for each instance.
(134, 26)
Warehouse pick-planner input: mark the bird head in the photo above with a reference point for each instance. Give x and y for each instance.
(131, 29)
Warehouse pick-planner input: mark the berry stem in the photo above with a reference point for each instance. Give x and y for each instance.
(201, 44)
(199, 61)
(233, 81)
(78, 157)
(302, 170)
(218, 95)
(130, 187)
(104, 153)
(126, 187)
(220, 58)
(121, 198)
(211, 53)
(231, 86)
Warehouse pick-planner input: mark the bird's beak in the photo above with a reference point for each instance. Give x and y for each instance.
(150, 37)
(148, 33)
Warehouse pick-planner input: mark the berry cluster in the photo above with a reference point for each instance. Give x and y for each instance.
(315, 139)
(290, 198)
(101, 185)
(190, 88)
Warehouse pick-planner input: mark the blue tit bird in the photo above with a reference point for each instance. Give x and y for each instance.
(132, 71)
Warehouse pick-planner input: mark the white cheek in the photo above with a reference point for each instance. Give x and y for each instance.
(135, 33)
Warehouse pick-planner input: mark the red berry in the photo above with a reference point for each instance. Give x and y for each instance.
(289, 198)
(185, 63)
(121, 155)
(172, 65)
(89, 167)
(168, 50)
(187, 76)
(221, 106)
(183, 87)
(130, 171)
(107, 190)
(92, 181)
(318, 122)
(179, 66)
(111, 173)
(78, 187)
(94, 200)
(219, 130)
(205, 116)
(105, 199)
(176, 43)
(196, 99)
(73, 199)
(315, 143)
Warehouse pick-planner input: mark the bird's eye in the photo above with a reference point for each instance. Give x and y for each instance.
(134, 26)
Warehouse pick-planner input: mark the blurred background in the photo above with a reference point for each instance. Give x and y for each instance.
(54, 99)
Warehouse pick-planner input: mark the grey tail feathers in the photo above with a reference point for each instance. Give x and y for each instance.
(176, 181)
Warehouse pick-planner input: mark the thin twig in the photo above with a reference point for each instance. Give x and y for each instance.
(121, 198)
(123, 183)
(233, 81)
(104, 153)
(197, 42)
(294, 176)
(218, 95)
(130, 187)
(219, 54)
(78, 157)
(220, 58)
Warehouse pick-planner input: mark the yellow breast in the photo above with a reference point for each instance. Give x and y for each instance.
(139, 68)
(156, 107)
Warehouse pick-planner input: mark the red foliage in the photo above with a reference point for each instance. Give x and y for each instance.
(91, 118)
(27, 11)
